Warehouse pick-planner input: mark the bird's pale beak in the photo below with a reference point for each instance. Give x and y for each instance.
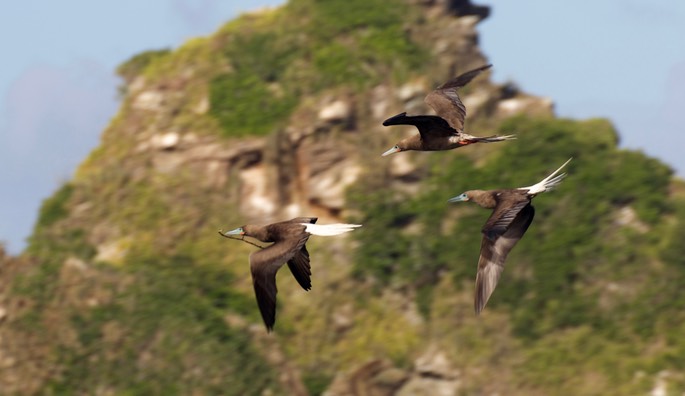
(459, 198)
(237, 231)
(391, 151)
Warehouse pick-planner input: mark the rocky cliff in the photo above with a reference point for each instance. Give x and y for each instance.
(126, 288)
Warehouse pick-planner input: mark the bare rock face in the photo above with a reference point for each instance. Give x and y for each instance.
(149, 100)
(165, 141)
(326, 170)
(411, 90)
(343, 318)
(432, 375)
(337, 111)
(426, 386)
(306, 168)
(328, 189)
(375, 378)
(257, 201)
(112, 251)
(475, 101)
(434, 363)
(525, 105)
(627, 217)
(403, 168)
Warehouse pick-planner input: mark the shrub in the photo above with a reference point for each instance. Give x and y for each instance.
(55, 207)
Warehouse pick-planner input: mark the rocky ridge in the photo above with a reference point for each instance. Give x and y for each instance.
(166, 173)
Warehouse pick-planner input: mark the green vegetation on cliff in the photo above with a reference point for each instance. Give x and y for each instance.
(303, 48)
(586, 268)
(129, 290)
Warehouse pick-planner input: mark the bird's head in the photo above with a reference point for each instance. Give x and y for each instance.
(395, 149)
(460, 198)
(237, 231)
(409, 143)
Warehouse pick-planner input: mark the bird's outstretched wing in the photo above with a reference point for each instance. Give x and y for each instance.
(429, 126)
(501, 233)
(446, 102)
(300, 268)
(299, 264)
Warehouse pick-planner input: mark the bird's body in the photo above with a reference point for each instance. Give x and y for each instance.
(511, 216)
(444, 131)
(289, 239)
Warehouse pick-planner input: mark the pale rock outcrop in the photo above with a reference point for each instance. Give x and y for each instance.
(530, 105)
(337, 111)
(202, 106)
(432, 375)
(475, 101)
(380, 102)
(342, 318)
(165, 141)
(374, 378)
(149, 100)
(402, 167)
(256, 199)
(434, 363)
(112, 251)
(209, 159)
(328, 189)
(627, 217)
(411, 90)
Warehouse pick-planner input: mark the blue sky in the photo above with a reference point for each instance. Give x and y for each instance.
(620, 59)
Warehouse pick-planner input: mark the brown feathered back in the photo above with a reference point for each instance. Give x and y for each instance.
(446, 102)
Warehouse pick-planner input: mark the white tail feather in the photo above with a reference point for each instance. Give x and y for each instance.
(547, 183)
(329, 229)
(505, 137)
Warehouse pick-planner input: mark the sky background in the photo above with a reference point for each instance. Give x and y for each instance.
(619, 59)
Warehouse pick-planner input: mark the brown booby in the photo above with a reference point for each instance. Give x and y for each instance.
(289, 238)
(444, 131)
(512, 214)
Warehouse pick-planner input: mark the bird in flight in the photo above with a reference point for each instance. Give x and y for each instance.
(289, 239)
(511, 216)
(444, 131)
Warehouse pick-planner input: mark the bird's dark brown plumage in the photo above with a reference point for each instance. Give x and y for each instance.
(509, 220)
(445, 130)
(289, 239)
(511, 216)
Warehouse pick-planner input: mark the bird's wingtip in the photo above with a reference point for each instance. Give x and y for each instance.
(477, 310)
